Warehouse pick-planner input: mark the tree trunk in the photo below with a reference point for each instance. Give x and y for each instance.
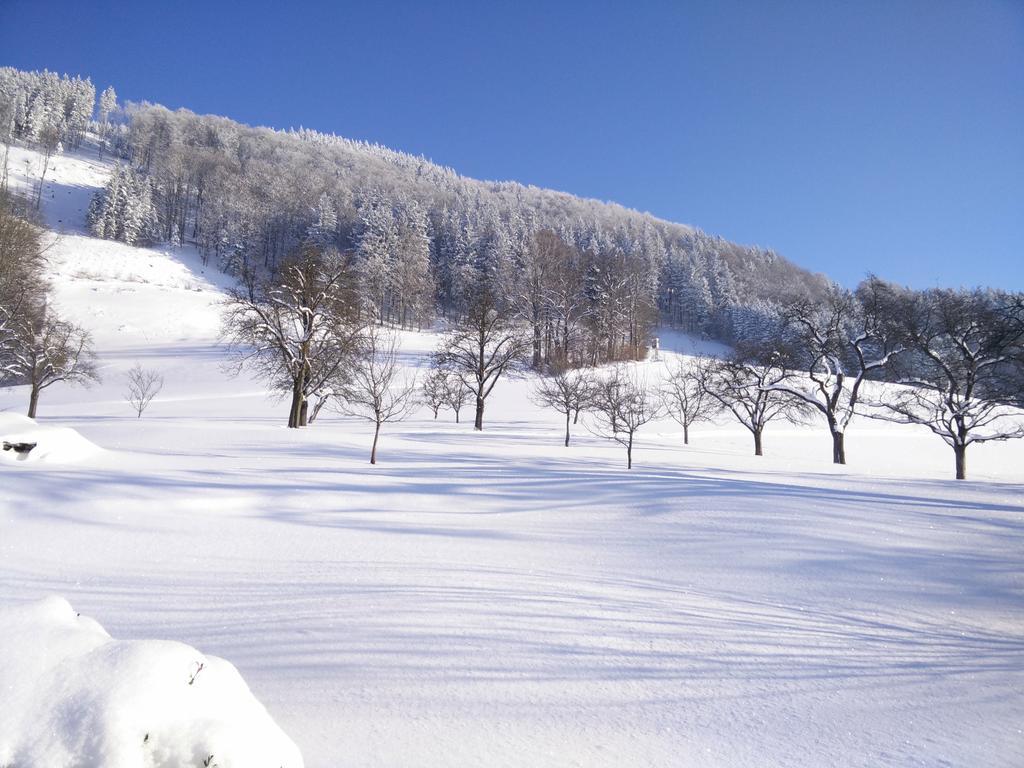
(567, 428)
(629, 453)
(960, 451)
(304, 412)
(478, 424)
(686, 434)
(536, 344)
(373, 451)
(457, 415)
(838, 447)
(33, 402)
(294, 412)
(757, 443)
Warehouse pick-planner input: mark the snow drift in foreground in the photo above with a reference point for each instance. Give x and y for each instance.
(75, 696)
(54, 445)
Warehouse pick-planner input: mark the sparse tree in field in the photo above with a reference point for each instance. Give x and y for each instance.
(48, 351)
(456, 394)
(685, 398)
(566, 391)
(834, 344)
(377, 389)
(744, 386)
(486, 345)
(434, 389)
(962, 370)
(143, 385)
(622, 403)
(297, 330)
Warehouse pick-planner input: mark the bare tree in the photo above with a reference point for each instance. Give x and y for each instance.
(566, 391)
(434, 389)
(622, 403)
(485, 346)
(47, 351)
(837, 342)
(377, 389)
(143, 385)
(745, 386)
(684, 396)
(456, 394)
(962, 370)
(296, 330)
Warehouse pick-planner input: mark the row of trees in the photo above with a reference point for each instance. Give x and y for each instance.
(957, 357)
(949, 360)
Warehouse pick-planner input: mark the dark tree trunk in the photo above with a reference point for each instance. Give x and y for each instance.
(838, 447)
(457, 415)
(960, 451)
(295, 411)
(33, 402)
(478, 424)
(757, 443)
(686, 434)
(567, 429)
(373, 451)
(304, 413)
(629, 453)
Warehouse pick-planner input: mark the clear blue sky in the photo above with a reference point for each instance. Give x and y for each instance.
(850, 136)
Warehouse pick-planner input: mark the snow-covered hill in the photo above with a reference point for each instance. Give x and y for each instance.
(496, 599)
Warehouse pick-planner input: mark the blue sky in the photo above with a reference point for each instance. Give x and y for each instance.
(849, 136)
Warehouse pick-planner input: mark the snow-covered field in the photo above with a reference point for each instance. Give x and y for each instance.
(495, 599)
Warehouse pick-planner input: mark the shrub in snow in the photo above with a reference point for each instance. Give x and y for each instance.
(72, 695)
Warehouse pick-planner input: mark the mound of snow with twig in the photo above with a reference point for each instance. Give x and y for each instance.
(72, 695)
(54, 445)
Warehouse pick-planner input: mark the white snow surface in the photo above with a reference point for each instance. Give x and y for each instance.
(75, 696)
(496, 599)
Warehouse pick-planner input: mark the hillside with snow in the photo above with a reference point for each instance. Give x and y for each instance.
(495, 598)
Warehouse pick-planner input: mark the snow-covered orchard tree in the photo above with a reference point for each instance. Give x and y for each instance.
(832, 344)
(567, 392)
(298, 329)
(376, 388)
(684, 396)
(962, 369)
(621, 403)
(487, 344)
(48, 351)
(744, 385)
(434, 389)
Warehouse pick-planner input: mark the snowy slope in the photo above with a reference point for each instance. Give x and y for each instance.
(496, 599)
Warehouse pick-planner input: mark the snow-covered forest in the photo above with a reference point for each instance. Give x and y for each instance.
(639, 496)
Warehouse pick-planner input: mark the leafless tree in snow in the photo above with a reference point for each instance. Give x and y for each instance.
(621, 404)
(685, 397)
(566, 391)
(378, 390)
(143, 385)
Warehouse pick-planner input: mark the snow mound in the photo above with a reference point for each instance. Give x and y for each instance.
(54, 445)
(75, 696)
